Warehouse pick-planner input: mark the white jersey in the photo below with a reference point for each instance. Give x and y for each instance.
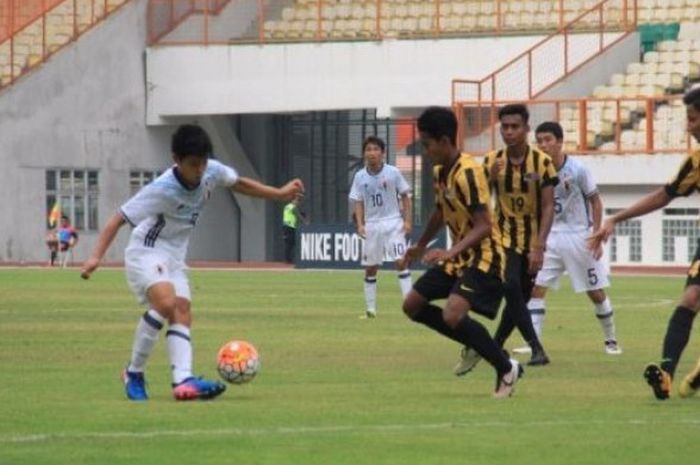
(379, 192)
(164, 212)
(571, 195)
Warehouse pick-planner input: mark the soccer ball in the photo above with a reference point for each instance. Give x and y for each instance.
(238, 362)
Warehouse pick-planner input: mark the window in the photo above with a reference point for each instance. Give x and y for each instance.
(138, 179)
(679, 228)
(76, 192)
(631, 229)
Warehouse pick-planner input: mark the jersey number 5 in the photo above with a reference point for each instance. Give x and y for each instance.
(557, 205)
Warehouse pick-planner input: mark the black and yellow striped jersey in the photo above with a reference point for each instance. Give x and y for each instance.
(687, 180)
(458, 194)
(518, 191)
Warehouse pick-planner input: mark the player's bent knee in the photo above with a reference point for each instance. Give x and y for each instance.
(597, 296)
(691, 298)
(413, 304)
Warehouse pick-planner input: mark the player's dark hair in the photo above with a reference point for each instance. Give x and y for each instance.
(64, 217)
(551, 127)
(514, 109)
(693, 98)
(373, 140)
(437, 122)
(191, 140)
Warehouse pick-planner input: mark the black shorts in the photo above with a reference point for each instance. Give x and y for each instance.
(517, 272)
(694, 270)
(483, 291)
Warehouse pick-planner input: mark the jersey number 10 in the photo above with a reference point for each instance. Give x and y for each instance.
(376, 200)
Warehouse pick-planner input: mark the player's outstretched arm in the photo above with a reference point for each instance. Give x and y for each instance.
(103, 242)
(253, 188)
(650, 202)
(416, 252)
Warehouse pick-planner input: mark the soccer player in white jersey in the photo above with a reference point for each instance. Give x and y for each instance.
(163, 215)
(382, 210)
(577, 207)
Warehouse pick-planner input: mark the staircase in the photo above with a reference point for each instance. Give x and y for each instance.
(33, 30)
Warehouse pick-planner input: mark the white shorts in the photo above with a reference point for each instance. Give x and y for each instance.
(146, 267)
(384, 241)
(568, 252)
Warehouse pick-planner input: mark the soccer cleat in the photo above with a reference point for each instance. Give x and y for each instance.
(369, 314)
(522, 350)
(505, 385)
(611, 347)
(538, 358)
(197, 388)
(134, 385)
(468, 360)
(691, 383)
(659, 380)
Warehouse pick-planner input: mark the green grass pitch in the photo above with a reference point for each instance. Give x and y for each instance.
(333, 389)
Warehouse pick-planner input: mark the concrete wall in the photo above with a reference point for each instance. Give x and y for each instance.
(329, 76)
(598, 71)
(85, 109)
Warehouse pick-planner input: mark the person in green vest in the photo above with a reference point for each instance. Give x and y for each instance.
(290, 221)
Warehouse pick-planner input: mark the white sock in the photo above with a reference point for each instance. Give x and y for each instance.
(371, 294)
(405, 282)
(537, 311)
(604, 312)
(145, 338)
(180, 350)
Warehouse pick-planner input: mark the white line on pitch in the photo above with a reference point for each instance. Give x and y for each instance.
(301, 430)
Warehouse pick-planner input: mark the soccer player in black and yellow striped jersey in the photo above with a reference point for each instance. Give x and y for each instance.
(659, 376)
(523, 178)
(470, 273)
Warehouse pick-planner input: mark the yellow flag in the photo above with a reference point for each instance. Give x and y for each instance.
(55, 214)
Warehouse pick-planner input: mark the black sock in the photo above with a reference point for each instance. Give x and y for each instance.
(527, 330)
(677, 335)
(505, 326)
(473, 334)
(53, 257)
(431, 316)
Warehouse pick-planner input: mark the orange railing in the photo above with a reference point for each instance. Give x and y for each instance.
(548, 62)
(33, 30)
(16, 14)
(591, 125)
(164, 16)
(324, 20)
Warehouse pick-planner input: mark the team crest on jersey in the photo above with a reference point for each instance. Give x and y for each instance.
(566, 181)
(532, 177)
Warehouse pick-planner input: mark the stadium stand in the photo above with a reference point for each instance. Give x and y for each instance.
(40, 29)
(667, 71)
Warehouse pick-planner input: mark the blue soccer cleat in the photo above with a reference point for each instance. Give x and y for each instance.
(134, 385)
(197, 388)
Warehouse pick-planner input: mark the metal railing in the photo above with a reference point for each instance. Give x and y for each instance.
(266, 21)
(552, 59)
(625, 125)
(33, 30)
